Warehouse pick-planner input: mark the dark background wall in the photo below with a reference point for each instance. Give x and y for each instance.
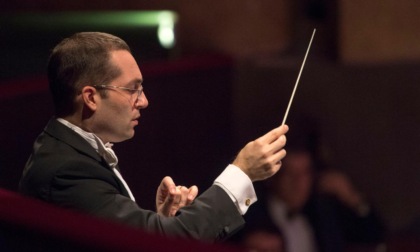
(359, 89)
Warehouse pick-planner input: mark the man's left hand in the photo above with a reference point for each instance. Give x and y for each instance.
(170, 198)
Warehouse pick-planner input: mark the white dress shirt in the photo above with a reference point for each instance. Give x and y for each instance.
(298, 233)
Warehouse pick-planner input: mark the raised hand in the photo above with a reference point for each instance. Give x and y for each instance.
(261, 158)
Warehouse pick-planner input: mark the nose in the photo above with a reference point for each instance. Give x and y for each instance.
(141, 102)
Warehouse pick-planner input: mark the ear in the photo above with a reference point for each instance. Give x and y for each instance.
(90, 97)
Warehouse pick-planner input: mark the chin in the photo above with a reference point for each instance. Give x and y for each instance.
(122, 138)
(130, 135)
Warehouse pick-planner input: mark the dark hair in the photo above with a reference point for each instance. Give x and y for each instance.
(78, 61)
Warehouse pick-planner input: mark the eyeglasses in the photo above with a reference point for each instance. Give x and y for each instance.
(131, 91)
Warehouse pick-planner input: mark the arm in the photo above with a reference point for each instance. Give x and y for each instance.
(212, 216)
(259, 159)
(361, 223)
(338, 185)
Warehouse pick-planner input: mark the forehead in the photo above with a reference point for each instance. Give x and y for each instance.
(130, 72)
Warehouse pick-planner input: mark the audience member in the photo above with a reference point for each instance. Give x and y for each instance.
(315, 211)
(264, 240)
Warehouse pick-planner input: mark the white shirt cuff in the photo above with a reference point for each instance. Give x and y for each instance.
(238, 186)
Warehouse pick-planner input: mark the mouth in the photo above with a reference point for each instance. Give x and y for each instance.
(136, 120)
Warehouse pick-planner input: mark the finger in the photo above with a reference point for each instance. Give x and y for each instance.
(184, 196)
(278, 144)
(278, 156)
(268, 171)
(166, 187)
(192, 194)
(172, 203)
(276, 147)
(165, 195)
(176, 199)
(275, 163)
(168, 184)
(274, 134)
(169, 205)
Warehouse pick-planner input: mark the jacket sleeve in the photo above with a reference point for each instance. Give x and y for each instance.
(95, 190)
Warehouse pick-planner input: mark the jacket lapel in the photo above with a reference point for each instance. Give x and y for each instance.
(68, 136)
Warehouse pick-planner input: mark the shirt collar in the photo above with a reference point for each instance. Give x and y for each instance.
(104, 149)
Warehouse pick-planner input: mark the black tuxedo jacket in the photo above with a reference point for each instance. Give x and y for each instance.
(65, 170)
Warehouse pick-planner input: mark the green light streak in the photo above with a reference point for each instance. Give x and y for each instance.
(110, 19)
(163, 21)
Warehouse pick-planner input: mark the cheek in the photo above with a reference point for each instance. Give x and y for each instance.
(119, 110)
(116, 116)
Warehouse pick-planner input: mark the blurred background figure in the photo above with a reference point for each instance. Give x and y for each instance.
(264, 240)
(314, 208)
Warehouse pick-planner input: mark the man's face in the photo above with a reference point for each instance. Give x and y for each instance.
(294, 182)
(117, 114)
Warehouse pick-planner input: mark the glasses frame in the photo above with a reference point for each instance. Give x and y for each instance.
(132, 91)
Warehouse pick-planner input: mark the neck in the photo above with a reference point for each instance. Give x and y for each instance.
(78, 121)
